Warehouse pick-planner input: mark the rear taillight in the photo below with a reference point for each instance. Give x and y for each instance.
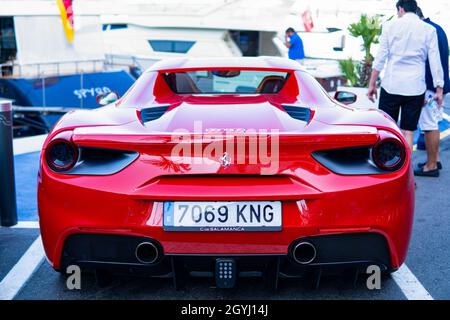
(61, 155)
(389, 153)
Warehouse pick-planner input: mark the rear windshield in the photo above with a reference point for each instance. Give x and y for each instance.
(226, 81)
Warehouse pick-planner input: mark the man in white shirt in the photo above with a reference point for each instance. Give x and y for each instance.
(405, 45)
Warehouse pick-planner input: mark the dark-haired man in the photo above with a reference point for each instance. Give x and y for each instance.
(295, 45)
(405, 45)
(429, 118)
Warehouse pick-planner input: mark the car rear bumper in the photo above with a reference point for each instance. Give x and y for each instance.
(118, 253)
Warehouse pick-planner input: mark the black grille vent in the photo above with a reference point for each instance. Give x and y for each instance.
(299, 113)
(153, 113)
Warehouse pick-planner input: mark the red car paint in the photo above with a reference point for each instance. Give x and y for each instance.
(315, 200)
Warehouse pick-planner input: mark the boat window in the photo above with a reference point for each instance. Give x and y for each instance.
(226, 81)
(115, 26)
(174, 46)
(8, 46)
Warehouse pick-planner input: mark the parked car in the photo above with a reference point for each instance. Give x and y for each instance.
(227, 168)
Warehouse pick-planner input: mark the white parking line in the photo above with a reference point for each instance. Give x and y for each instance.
(22, 271)
(27, 225)
(28, 144)
(445, 134)
(410, 286)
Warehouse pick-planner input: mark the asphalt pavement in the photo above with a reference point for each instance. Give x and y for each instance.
(427, 271)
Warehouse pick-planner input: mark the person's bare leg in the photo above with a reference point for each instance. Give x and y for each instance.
(432, 139)
(409, 136)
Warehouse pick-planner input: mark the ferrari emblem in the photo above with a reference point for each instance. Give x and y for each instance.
(225, 160)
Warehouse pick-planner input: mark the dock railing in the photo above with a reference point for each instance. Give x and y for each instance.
(127, 61)
(33, 70)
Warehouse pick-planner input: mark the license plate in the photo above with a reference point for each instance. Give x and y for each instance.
(222, 216)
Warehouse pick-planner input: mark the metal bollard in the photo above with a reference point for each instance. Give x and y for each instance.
(8, 206)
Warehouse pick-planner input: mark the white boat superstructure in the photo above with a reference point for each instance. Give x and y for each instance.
(153, 30)
(143, 46)
(143, 31)
(34, 43)
(255, 28)
(140, 33)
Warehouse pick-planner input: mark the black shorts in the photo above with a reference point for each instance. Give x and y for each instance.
(411, 107)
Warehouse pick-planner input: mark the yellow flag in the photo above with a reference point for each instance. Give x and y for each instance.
(66, 11)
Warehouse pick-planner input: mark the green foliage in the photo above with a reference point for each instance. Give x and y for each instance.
(369, 29)
(348, 68)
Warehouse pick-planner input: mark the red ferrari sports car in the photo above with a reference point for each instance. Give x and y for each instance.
(226, 168)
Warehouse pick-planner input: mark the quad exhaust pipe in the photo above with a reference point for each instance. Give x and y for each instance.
(147, 253)
(304, 253)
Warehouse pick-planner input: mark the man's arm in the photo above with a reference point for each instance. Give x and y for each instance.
(436, 66)
(378, 64)
(372, 93)
(292, 40)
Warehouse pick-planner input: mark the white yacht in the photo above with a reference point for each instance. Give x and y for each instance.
(42, 73)
(203, 28)
(140, 33)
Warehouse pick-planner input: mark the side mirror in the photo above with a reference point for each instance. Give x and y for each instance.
(345, 97)
(104, 99)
